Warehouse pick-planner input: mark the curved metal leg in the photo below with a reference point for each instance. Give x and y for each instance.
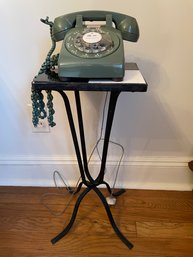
(73, 217)
(78, 188)
(82, 137)
(107, 185)
(116, 229)
(73, 132)
(109, 122)
(83, 165)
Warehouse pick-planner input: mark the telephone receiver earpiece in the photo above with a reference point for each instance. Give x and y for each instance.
(127, 25)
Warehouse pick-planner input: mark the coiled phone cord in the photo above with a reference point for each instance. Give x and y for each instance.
(49, 64)
(51, 61)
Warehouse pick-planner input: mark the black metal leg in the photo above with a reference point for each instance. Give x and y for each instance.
(107, 185)
(74, 136)
(83, 165)
(109, 122)
(113, 224)
(82, 137)
(70, 224)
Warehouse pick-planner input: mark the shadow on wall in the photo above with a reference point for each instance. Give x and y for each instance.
(143, 122)
(10, 106)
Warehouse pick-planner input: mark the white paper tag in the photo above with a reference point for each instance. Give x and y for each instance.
(92, 37)
(131, 76)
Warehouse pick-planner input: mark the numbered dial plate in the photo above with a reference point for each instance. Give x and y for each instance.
(91, 42)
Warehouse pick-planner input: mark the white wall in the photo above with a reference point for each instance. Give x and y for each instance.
(155, 128)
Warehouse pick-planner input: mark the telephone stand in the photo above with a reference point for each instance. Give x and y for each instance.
(134, 83)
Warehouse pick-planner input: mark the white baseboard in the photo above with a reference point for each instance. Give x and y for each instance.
(163, 173)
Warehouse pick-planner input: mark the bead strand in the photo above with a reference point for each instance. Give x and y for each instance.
(38, 107)
(51, 110)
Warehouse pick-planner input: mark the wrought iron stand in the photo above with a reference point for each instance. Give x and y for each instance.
(87, 180)
(44, 82)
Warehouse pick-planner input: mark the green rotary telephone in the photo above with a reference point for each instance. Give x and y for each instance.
(93, 51)
(88, 51)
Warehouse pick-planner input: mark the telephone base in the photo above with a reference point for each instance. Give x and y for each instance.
(79, 79)
(82, 60)
(84, 71)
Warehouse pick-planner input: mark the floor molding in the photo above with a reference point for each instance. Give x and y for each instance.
(139, 172)
(128, 161)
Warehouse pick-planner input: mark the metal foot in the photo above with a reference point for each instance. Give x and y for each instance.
(113, 224)
(70, 224)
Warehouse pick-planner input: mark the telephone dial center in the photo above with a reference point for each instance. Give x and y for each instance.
(92, 37)
(91, 43)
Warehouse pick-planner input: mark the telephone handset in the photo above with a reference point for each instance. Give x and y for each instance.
(93, 51)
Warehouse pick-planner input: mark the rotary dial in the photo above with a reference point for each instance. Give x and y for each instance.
(91, 42)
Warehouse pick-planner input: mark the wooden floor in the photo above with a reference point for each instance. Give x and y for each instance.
(159, 224)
